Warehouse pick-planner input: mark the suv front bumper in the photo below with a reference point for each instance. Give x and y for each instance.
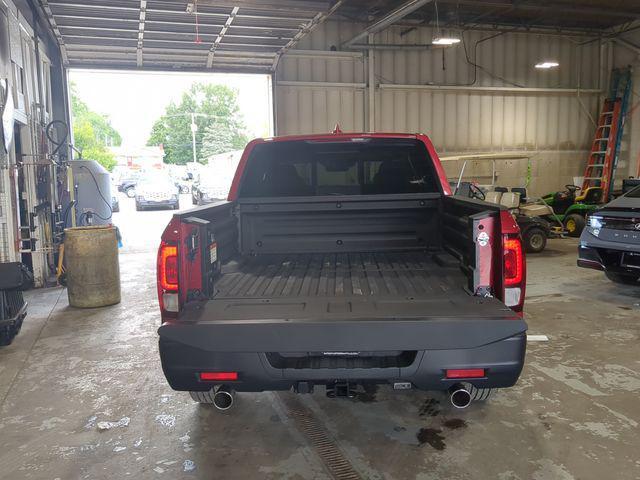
(604, 255)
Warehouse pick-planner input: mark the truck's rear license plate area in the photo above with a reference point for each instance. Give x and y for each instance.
(318, 360)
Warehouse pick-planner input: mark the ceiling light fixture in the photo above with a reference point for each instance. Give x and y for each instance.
(439, 37)
(547, 65)
(445, 40)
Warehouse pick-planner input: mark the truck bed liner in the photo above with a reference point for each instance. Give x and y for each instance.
(348, 275)
(339, 287)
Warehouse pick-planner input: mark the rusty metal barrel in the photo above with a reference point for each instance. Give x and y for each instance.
(92, 268)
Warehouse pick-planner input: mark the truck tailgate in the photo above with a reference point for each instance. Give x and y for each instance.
(335, 302)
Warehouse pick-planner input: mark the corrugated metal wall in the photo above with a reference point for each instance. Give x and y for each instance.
(466, 119)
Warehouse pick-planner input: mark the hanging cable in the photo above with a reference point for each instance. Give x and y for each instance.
(58, 143)
(195, 10)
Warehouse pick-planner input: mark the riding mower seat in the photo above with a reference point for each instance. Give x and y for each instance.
(591, 196)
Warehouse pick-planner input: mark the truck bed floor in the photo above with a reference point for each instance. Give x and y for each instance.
(334, 287)
(344, 276)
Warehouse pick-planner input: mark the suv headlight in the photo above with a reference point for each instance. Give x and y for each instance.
(595, 224)
(595, 221)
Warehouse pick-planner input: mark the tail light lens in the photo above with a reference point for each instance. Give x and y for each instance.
(168, 284)
(168, 267)
(514, 273)
(513, 262)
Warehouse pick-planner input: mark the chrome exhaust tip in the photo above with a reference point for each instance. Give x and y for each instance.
(460, 396)
(223, 398)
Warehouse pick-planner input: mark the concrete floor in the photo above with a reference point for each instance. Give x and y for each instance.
(573, 415)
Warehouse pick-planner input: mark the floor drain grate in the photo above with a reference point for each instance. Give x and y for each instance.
(334, 460)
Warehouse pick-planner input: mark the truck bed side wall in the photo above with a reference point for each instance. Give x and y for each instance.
(343, 224)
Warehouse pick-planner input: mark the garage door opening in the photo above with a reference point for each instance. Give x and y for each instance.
(168, 140)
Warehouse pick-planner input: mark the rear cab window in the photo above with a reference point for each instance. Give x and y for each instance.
(358, 166)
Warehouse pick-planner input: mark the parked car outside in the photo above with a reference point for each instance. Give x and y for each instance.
(128, 183)
(209, 190)
(611, 240)
(156, 190)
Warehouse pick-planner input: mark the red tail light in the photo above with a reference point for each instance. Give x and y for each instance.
(219, 376)
(513, 262)
(168, 267)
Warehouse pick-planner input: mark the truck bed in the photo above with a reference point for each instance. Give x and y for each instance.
(347, 287)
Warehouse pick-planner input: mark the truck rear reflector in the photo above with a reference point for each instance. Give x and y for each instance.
(218, 376)
(466, 373)
(168, 267)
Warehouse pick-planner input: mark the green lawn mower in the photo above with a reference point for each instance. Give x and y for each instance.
(566, 209)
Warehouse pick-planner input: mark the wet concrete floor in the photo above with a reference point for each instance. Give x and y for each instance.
(573, 415)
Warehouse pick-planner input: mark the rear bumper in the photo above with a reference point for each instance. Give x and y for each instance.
(182, 362)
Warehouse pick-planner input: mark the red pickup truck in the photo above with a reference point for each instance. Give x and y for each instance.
(344, 261)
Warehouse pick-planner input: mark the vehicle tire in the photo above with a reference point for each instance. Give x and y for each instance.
(574, 224)
(535, 240)
(130, 192)
(202, 397)
(622, 278)
(6, 335)
(9, 332)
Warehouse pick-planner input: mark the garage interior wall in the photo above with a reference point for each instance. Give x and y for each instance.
(29, 187)
(627, 53)
(543, 117)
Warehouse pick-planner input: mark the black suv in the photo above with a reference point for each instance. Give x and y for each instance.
(611, 239)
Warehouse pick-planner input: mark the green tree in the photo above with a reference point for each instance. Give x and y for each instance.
(217, 116)
(92, 133)
(219, 138)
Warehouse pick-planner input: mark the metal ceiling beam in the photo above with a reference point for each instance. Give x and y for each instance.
(216, 43)
(625, 43)
(547, 6)
(387, 20)
(143, 17)
(305, 30)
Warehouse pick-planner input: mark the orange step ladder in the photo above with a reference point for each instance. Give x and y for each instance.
(603, 149)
